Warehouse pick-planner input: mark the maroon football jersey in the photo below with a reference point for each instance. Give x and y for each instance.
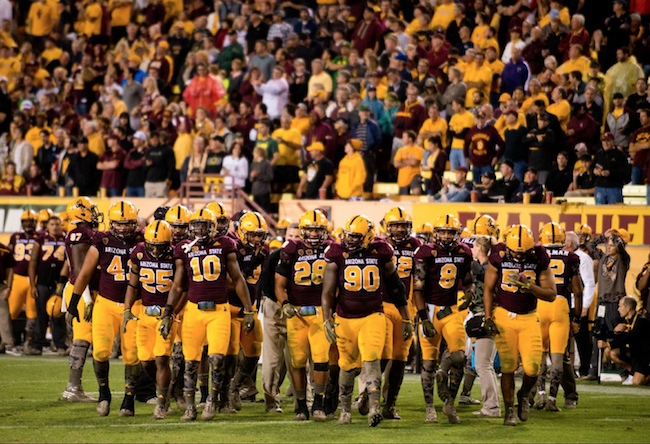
(114, 261)
(206, 267)
(359, 277)
(23, 244)
(510, 296)
(80, 234)
(403, 259)
(445, 270)
(6, 261)
(469, 241)
(564, 265)
(251, 268)
(304, 269)
(52, 255)
(155, 275)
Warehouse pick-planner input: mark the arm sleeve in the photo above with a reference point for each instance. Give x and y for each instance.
(588, 280)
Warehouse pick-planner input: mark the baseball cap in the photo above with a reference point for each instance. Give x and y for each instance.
(511, 113)
(504, 97)
(237, 136)
(608, 136)
(480, 115)
(401, 57)
(140, 136)
(320, 93)
(581, 148)
(216, 137)
(372, 88)
(364, 107)
(545, 117)
(617, 95)
(316, 146)
(430, 83)
(532, 170)
(27, 104)
(461, 169)
(490, 175)
(279, 13)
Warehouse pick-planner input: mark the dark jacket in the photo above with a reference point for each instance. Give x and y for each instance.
(558, 181)
(541, 152)
(163, 164)
(614, 161)
(134, 164)
(373, 135)
(507, 188)
(84, 173)
(535, 190)
(516, 150)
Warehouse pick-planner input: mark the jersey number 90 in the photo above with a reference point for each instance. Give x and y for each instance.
(366, 278)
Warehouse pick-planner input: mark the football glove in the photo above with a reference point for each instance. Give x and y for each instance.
(249, 321)
(330, 331)
(126, 317)
(407, 328)
(88, 312)
(59, 289)
(427, 326)
(166, 322)
(490, 327)
(289, 310)
(520, 281)
(73, 312)
(468, 298)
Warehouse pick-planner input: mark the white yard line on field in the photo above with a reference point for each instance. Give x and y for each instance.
(156, 424)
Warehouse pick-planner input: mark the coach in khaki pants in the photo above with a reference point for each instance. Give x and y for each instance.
(276, 361)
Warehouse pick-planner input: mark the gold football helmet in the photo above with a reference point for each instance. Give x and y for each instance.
(358, 233)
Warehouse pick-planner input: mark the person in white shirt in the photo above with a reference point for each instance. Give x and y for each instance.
(583, 338)
(235, 168)
(275, 92)
(22, 151)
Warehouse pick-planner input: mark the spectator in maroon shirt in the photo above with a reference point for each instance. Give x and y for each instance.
(367, 33)
(438, 53)
(246, 121)
(578, 36)
(410, 116)
(111, 164)
(582, 128)
(483, 147)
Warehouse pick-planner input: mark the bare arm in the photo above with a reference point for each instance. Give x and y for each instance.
(133, 288)
(546, 289)
(33, 265)
(419, 280)
(240, 284)
(78, 254)
(281, 288)
(87, 270)
(490, 283)
(330, 282)
(327, 182)
(576, 285)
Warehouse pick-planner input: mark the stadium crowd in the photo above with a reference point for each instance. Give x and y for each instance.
(134, 97)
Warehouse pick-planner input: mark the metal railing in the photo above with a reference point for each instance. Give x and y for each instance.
(206, 188)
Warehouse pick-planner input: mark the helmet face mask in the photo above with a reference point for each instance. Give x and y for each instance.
(313, 236)
(28, 225)
(158, 251)
(518, 256)
(223, 224)
(123, 230)
(399, 231)
(201, 229)
(447, 238)
(352, 240)
(179, 232)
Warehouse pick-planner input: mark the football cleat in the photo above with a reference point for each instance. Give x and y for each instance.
(190, 413)
(210, 410)
(374, 417)
(541, 401)
(160, 412)
(551, 406)
(72, 394)
(181, 403)
(523, 407)
(103, 408)
(443, 385)
(345, 418)
(570, 404)
(319, 416)
(234, 397)
(390, 413)
(128, 407)
(301, 416)
(431, 415)
(363, 404)
(449, 409)
(468, 400)
(511, 418)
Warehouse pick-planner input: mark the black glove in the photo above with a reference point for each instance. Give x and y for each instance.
(249, 321)
(289, 310)
(330, 331)
(407, 328)
(126, 317)
(490, 327)
(427, 326)
(73, 313)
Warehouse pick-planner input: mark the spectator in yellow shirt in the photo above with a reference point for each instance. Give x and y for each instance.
(478, 76)
(434, 126)
(560, 108)
(576, 62)
(407, 161)
(94, 15)
(556, 11)
(352, 172)
(536, 93)
(289, 139)
(479, 34)
(40, 21)
(443, 16)
(95, 142)
(120, 11)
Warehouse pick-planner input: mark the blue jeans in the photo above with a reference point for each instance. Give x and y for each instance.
(520, 169)
(458, 196)
(607, 196)
(134, 191)
(114, 192)
(457, 158)
(477, 172)
(637, 175)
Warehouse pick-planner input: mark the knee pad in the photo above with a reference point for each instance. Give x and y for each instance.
(458, 359)
(321, 366)
(429, 366)
(216, 360)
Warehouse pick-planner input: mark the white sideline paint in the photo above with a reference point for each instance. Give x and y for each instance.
(156, 425)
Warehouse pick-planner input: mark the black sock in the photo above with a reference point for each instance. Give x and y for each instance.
(302, 406)
(318, 402)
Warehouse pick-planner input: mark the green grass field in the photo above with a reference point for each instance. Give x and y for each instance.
(32, 410)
